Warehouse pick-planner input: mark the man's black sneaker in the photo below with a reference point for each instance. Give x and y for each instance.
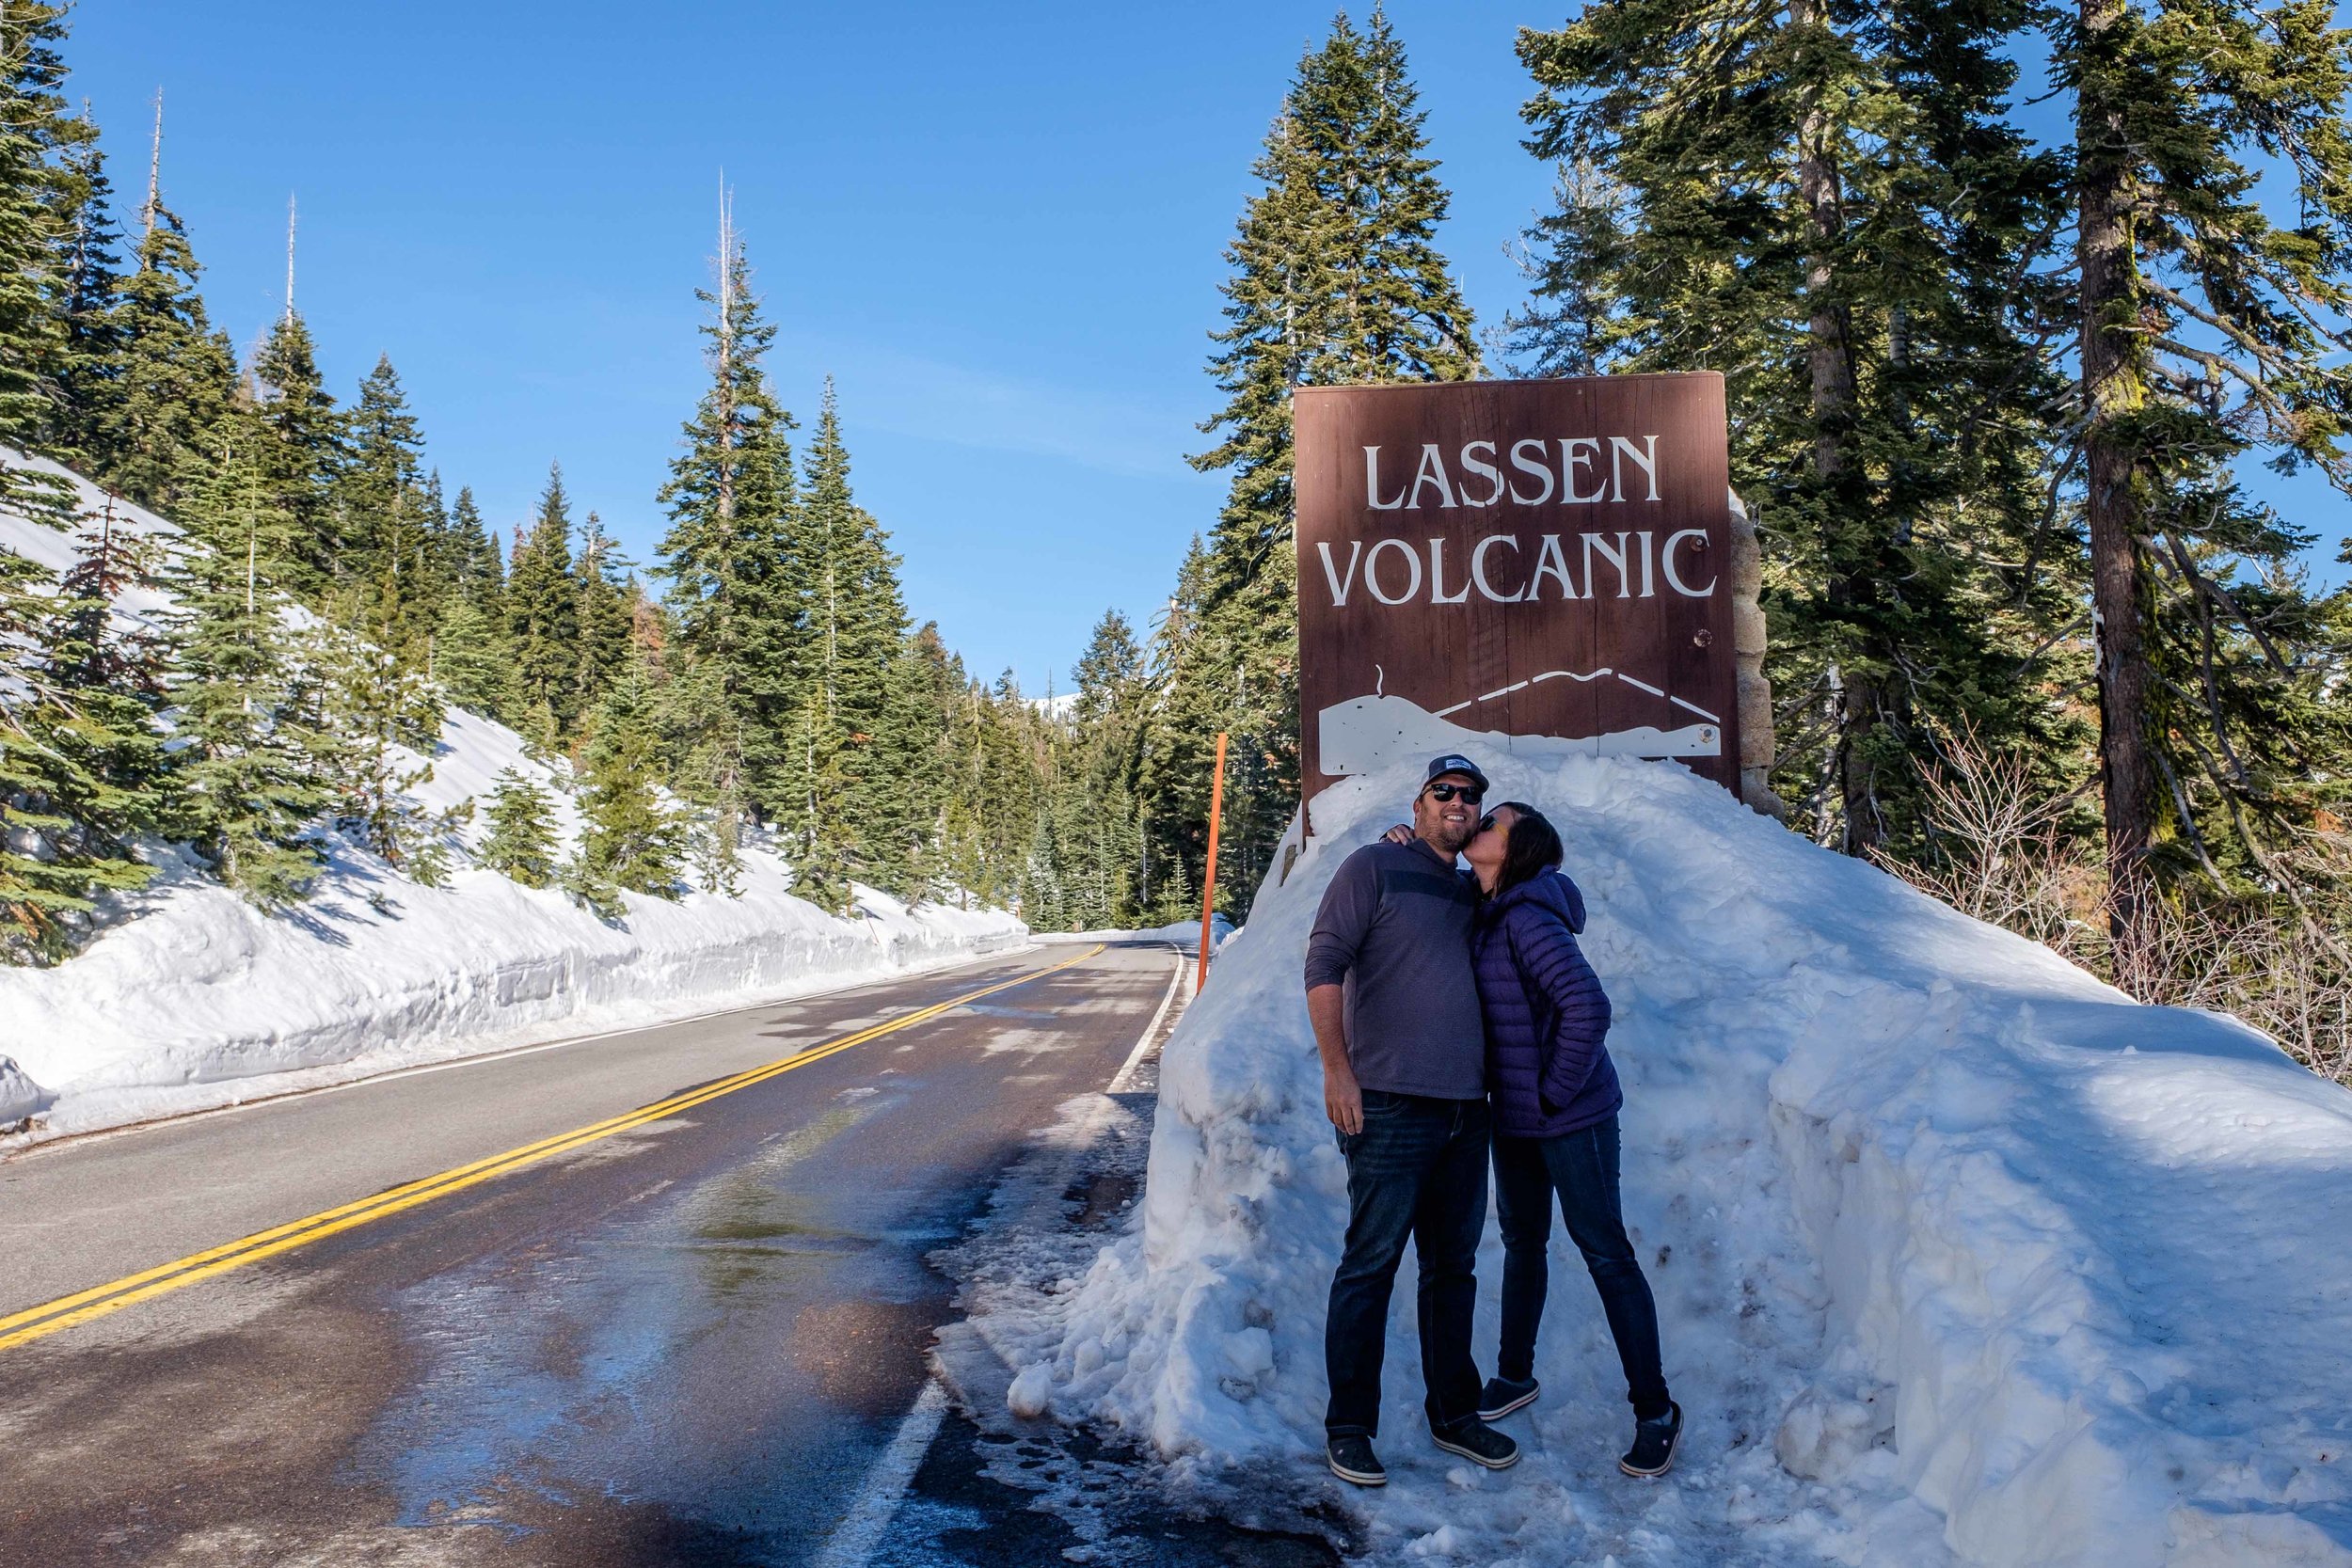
(1506, 1394)
(1479, 1443)
(1654, 1441)
(1352, 1459)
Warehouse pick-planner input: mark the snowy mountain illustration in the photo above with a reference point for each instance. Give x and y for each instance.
(1365, 734)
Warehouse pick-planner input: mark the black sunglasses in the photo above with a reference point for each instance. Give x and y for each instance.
(1444, 792)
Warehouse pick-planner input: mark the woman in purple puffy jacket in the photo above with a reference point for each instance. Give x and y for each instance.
(1555, 1099)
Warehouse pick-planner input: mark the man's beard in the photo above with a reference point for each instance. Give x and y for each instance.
(1448, 839)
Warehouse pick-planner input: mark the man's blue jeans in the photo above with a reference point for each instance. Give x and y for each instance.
(1418, 1169)
(1582, 1169)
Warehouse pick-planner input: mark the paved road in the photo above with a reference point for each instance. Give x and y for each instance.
(686, 1339)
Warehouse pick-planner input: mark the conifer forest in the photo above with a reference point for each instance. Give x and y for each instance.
(2009, 299)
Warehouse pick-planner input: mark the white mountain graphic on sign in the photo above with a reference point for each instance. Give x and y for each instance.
(1365, 734)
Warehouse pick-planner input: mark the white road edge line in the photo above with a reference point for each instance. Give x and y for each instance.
(876, 1503)
(853, 1546)
(1124, 1078)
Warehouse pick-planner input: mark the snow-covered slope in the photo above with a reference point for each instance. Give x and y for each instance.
(197, 999)
(1962, 1256)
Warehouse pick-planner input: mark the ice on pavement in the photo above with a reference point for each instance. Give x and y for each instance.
(1960, 1256)
(194, 999)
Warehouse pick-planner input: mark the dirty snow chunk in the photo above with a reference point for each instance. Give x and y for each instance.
(1032, 1392)
(1822, 1436)
(1960, 1254)
(20, 1097)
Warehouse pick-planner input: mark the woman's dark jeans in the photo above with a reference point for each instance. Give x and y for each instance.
(1582, 1167)
(1418, 1169)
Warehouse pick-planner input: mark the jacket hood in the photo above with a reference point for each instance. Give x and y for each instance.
(1553, 890)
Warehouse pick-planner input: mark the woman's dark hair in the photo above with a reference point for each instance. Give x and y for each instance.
(1530, 848)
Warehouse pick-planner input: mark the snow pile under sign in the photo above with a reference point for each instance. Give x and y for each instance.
(1961, 1257)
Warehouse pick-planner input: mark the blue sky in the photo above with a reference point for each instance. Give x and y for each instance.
(999, 227)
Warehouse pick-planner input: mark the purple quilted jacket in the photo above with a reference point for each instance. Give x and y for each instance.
(1548, 1068)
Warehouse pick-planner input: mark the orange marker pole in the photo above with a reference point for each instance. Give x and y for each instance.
(1208, 883)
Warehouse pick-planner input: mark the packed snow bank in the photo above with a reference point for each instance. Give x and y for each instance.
(202, 1000)
(1960, 1256)
(192, 998)
(21, 1099)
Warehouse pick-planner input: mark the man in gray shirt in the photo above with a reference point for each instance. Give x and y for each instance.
(1395, 1013)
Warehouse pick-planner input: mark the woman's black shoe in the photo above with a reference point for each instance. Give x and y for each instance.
(1654, 1441)
(1504, 1395)
(1351, 1459)
(1479, 1443)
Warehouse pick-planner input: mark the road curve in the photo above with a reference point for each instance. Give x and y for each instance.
(649, 1298)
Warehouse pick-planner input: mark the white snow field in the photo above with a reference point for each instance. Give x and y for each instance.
(1961, 1257)
(198, 1000)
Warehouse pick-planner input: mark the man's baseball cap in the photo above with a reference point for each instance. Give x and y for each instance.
(1454, 762)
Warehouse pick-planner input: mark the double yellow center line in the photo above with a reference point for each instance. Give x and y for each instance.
(33, 1322)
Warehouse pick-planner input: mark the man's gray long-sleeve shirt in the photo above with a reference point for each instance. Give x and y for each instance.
(1393, 932)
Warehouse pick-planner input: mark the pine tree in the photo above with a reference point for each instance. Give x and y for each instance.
(382, 724)
(735, 582)
(857, 629)
(471, 661)
(88, 377)
(2208, 332)
(604, 615)
(83, 768)
(521, 841)
(300, 453)
(1337, 278)
(1829, 206)
(253, 785)
(543, 613)
(176, 377)
(388, 524)
(823, 846)
(480, 568)
(31, 281)
(632, 839)
(1190, 650)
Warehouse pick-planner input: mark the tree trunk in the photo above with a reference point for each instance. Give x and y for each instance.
(2114, 387)
(1830, 361)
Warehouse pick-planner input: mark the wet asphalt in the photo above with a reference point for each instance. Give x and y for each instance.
(684, 1343)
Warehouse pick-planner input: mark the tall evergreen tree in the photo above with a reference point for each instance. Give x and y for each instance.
(82, 762)
(32, 283)
(543, 616)
(300, 451)
(734, 584)
(856, 624)
(383, 719)
(387, 526)
(2209, 333)
(1336, 279)
(821, 842)
(1828, 205)
(176, 378)
(480, 568)
(253, 781)
(632, 839)
(604, 616)
(88, 378)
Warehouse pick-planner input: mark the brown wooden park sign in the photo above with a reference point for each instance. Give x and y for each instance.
(1540, 567)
